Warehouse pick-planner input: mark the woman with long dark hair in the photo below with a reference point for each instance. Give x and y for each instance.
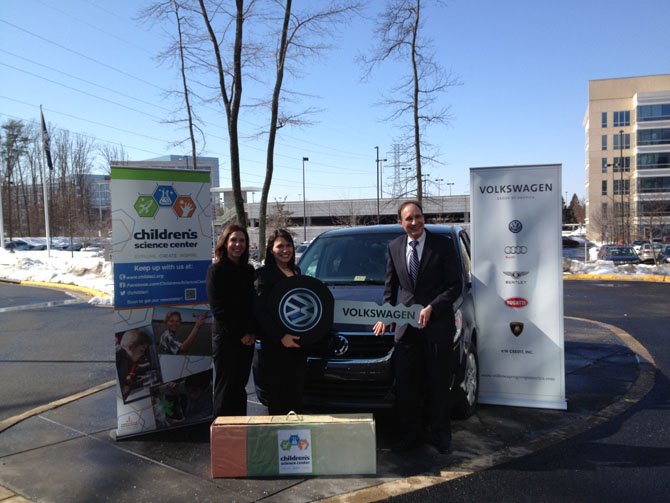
(284, 360)
(230, 290)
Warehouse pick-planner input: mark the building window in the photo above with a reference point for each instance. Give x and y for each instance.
(603, 210)
(653, 161)
(653, 208)
(603, 164)
(620, 119)
(616, 143)
(617, 162)
(603, 188)
(654, 184)
(653, 136)
(603, 119)
(618, 185)
(603, 142)
(646, 113)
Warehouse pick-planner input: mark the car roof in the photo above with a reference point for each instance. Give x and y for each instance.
(387, 228)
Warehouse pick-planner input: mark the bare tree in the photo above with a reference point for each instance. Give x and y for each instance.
(112, 154)
(166, 10)
(279, 218)
(230, 87)
(302, 35)
(14, 145)
(400, 34)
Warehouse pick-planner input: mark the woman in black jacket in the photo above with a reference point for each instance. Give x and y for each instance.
(230, 290)
(284, 360)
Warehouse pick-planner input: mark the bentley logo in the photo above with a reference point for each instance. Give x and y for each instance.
(339, 345)
(516, 327)
(300, 309)
(515, 274)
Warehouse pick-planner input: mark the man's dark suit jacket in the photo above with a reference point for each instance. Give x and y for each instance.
(438, 283)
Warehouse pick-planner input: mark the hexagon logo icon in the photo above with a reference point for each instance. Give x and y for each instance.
(165, 195)
(145, 206)
(184, 207)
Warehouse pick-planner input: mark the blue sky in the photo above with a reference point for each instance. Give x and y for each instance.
(524, 67)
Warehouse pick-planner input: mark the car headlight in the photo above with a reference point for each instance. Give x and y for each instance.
(458, 316)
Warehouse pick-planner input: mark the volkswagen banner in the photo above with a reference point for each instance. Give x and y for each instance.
(518, 284)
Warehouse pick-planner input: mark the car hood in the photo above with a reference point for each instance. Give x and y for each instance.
(364, 293)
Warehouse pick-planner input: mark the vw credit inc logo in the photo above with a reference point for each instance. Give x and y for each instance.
(515, 226)
(300, 309)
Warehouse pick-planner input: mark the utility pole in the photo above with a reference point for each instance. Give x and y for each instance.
(304, 201)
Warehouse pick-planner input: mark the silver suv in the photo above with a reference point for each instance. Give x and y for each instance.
(351, 368)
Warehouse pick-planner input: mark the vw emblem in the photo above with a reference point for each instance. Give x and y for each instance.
(515, 226)
(300, 309)
(339, 345)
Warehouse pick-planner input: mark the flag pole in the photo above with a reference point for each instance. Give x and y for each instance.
(46, 146)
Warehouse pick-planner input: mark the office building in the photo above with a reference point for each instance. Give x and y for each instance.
(627, 126)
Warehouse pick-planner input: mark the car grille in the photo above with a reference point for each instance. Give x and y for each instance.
(348, 394)
(360, 346)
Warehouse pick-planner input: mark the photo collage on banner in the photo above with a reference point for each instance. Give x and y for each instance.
(161, 249)
(518, 284)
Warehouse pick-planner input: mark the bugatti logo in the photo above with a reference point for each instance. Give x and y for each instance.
(516, 302)
(515, 226)
(339, 345)
(300, 309)
(516, 250)
(516, 327)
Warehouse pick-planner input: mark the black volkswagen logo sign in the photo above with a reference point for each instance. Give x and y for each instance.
(515, 226)
(339, 345)
(300, 309)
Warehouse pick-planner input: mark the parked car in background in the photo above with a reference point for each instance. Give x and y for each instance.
(637, 245)
(300, 249)
(649, 252)
(350, 368)
(664, 255)
(618, 254)
(16, 244)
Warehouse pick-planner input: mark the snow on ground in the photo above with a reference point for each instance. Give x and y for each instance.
(86, 269)
(89, 269)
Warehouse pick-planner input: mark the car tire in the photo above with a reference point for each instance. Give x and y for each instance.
(465, 394)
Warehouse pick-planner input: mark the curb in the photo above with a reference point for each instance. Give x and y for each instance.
(638, 389)
(66, 286)
(651, 278)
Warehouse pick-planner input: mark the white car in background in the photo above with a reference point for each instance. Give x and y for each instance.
(300, 249)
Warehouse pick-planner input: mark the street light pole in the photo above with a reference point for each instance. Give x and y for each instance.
(621, 188)
(450, 184)
(304, 201)
(377, 169)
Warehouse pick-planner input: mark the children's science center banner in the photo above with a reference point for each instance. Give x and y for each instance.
(161, 248)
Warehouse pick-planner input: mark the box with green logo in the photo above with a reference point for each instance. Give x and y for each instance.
(293, 445)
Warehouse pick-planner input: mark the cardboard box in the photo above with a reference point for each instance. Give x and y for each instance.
(276, 446)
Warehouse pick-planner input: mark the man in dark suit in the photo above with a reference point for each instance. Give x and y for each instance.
(422, 269)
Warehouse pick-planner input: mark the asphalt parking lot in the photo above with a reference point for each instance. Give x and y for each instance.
(68, 453)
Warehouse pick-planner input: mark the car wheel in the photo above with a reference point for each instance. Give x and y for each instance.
(466, 392)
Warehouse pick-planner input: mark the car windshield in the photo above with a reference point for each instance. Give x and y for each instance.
(621, 250)
(348, 259)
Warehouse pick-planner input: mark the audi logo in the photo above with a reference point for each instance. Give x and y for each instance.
(516, 250)
(515, 226)
(300, 309)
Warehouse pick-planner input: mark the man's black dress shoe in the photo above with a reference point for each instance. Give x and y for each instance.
(441, 445)
(404, 445)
